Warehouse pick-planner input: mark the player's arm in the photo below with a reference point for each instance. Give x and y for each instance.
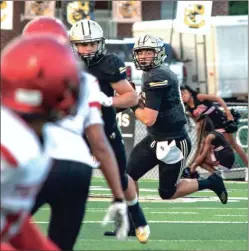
(206, 148)
(219, 100)
(99, 143)
(118, 110)
(126, 97)
(125, 90)
(104, 154)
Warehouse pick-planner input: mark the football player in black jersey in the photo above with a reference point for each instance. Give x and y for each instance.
(88, 42)
(162, 111)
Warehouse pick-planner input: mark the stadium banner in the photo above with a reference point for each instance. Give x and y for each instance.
(6, 15)
(193, 17)
(35, 9)
(126, 11)
(74, 11)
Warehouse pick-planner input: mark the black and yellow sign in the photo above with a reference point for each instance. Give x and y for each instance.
(193, 16)
(78, 10)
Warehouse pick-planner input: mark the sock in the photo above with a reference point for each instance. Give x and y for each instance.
(136, 213)
(203, 184)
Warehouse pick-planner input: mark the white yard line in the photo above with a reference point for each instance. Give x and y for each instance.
(133, 239)
(231, 215)
(173, 222)
(171, 208)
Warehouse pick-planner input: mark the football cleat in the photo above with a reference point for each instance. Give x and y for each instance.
(217, 185)
(143, 234)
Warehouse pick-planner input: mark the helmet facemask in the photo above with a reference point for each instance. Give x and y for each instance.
(156, 60)
(94, 57)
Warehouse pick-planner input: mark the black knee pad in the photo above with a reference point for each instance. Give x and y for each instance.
(167, 194)
(124, 181)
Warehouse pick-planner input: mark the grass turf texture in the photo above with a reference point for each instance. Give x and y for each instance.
(196, 222)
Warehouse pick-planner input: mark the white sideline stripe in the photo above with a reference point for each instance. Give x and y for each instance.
(131, 240)
(215, 208)
(185, 208)
(231, 215)
(155, 221)
(156, 180)
(158, 212)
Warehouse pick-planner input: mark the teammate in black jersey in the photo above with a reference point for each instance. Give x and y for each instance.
(162, 111)
(213, 149)
(88, 42)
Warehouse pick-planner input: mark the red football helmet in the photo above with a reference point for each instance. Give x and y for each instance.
(45, 25)
(39, 76)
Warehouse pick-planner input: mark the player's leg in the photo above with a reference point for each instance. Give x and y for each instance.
(117, 144)
(232, 141)
(141, 160)
(171, 187)
(118, 147)
(42, 196)
(135, 211)
(169, 174)
(68, 208)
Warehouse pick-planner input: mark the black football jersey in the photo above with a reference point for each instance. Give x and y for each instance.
(161, 92)
(110, 69)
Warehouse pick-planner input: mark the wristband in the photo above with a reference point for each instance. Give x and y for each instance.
(117, 200)
(134, 108)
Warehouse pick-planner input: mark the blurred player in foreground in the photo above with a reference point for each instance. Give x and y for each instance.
(67, 187)
(162, 111)
(33, 92)
(88, 42)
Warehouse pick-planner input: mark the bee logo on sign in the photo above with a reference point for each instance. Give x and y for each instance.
(39, 8)
(193, 17)
(35, 9)
(126, 11)
(78, 10)
(127, 8)
(6, 16)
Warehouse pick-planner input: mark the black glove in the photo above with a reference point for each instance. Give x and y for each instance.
(236, 115)
(230, 126)
(186, 174)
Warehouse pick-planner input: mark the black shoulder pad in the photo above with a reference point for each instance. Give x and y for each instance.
(157, 78)
(112, 65)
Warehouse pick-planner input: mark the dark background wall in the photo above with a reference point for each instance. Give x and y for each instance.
(151, 10)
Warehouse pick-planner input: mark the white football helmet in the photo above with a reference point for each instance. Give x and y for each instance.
(87, 31)
(151, 43)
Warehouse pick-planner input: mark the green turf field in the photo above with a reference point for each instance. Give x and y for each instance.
(197, 222)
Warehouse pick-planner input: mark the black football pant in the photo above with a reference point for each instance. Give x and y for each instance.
(66, 191)
(117, 144)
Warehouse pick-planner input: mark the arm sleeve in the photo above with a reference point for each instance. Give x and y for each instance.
(153, 99)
